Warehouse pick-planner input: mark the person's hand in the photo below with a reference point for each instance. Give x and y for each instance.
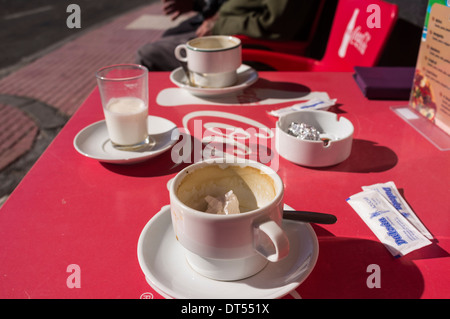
(175, 8)
(206, 27)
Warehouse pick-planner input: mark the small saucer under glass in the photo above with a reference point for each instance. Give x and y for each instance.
(145, 145)
(93, 142)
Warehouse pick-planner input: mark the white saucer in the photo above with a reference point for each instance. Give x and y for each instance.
(93, 141)
(246, 77)
(162, 260)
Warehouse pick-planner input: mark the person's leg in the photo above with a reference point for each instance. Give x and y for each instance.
(159, 55)
(188, 25)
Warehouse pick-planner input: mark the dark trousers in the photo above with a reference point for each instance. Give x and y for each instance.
(159, 56)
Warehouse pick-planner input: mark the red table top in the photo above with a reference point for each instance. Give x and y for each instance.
(70, 209)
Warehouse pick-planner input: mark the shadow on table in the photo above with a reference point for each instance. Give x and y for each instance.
(342, 269)
(263, 90)
(295, 90)
(342, 272)
(366, 157)
(188, 150)
(160, 165)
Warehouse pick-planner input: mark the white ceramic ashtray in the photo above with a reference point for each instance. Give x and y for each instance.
(333, 145)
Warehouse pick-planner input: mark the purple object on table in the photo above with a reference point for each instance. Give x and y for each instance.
(385, 83)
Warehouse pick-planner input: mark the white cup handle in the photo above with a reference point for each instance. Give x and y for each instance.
(278, 238)
(178, 50)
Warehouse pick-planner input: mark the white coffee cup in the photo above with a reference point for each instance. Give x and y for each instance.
(235, 246)
(212, 60)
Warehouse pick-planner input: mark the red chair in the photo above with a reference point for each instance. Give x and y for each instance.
(352, 41)
(289, 47)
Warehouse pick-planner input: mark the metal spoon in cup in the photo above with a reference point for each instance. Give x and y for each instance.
(187, 73)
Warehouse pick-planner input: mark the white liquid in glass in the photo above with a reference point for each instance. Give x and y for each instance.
(126, 120)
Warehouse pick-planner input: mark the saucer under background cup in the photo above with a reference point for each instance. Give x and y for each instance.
(246, 76)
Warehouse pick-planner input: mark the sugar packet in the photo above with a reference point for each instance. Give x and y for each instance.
(391, 193)
(398, 235)
(227, 204)
(313, 104)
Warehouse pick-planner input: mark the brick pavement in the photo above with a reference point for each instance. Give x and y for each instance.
(17, 134)
(63, 78)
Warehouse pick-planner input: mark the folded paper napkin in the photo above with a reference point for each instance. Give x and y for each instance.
(323, 104)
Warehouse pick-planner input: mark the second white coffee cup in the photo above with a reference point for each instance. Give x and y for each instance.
(212, 60)
(229, 247)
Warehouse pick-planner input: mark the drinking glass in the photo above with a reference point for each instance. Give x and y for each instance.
(124, 94)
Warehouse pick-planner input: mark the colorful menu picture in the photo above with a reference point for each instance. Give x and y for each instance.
(430, 95)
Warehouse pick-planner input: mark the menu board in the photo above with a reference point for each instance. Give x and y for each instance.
(430, 95)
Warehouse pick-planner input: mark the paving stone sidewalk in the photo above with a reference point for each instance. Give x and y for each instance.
(38, 99)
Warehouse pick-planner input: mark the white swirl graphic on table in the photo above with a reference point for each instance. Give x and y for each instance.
(220, 138)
